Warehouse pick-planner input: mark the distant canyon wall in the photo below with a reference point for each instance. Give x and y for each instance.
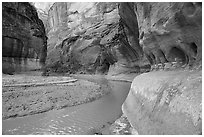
(92, 38)
(116, 38)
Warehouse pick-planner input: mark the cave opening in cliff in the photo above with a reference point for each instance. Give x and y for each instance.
(194, 47)
(177, 55)
(105, 66)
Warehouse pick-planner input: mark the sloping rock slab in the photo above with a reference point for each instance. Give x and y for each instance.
(165, 102)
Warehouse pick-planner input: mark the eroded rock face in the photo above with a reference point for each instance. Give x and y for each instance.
(94, 36)
(165, 102)
(171, 32)
(121, 37)
(23, 35)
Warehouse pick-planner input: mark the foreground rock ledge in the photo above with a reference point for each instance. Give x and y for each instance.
(165, 102)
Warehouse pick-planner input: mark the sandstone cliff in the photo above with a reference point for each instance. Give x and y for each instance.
(23, 36)
(168, 102)
(93, 38)
(171, 32)
(121, 37)
(115, 38)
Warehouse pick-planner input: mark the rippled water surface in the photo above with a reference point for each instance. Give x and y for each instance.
(83, 119)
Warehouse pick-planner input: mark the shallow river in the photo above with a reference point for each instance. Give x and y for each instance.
(87, 118)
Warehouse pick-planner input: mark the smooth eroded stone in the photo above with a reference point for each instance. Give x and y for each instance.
(165, 102)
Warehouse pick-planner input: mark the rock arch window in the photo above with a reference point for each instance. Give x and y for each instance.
(177, 55)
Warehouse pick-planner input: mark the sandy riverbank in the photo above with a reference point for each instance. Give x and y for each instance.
(20, 101)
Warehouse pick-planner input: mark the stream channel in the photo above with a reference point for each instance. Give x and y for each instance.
(89, 118)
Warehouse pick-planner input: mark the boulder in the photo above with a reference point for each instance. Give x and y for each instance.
(165, 102)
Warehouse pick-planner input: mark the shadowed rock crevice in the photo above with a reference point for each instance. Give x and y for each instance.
(130, 26)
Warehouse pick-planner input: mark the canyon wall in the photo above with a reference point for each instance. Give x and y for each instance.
(23, 36)
(93, 38)
(168, 100)
(123, 37)
(119, 38)
(171, 32)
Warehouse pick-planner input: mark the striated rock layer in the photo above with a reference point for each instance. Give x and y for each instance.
(115, 38)
(171, 32)
(123, 37)
(23, 36)
(92, 38)
(168, 102)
